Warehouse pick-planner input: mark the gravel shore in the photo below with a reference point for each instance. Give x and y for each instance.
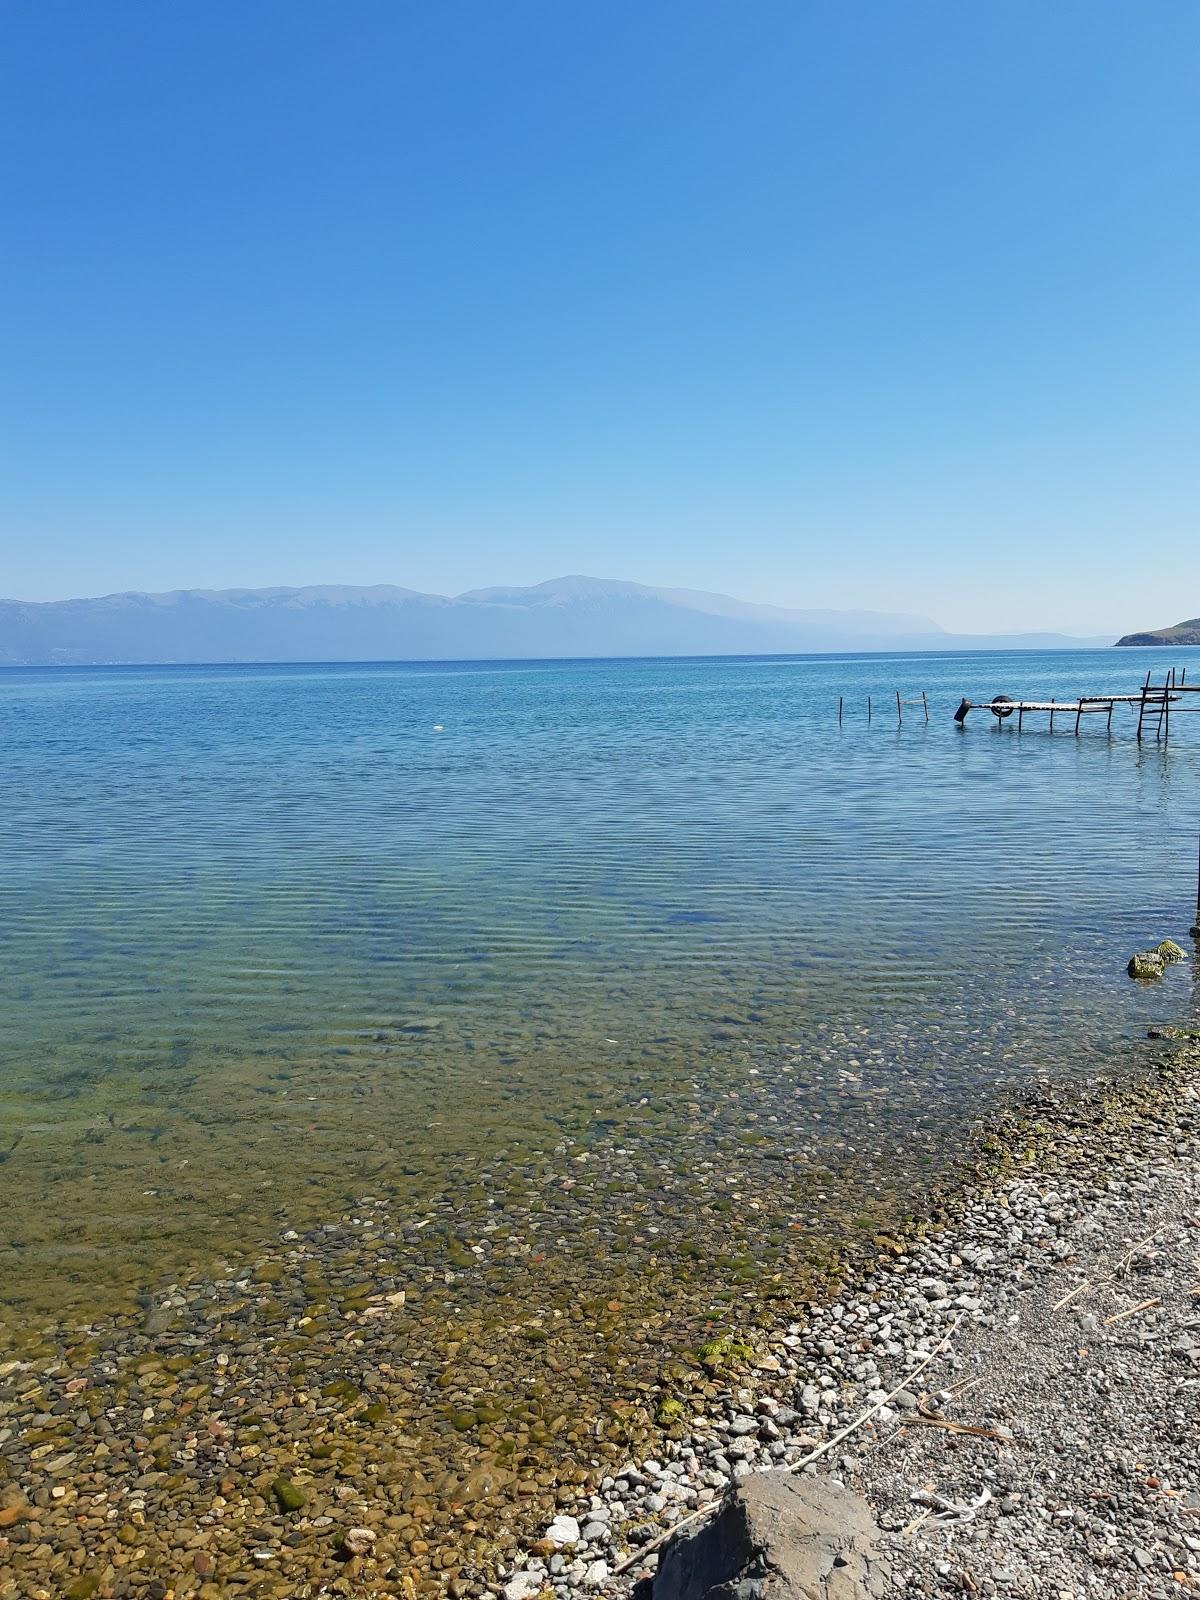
(1052, 1448)
(1067, 1277)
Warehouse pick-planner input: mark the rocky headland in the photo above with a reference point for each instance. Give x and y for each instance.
(1182, 633)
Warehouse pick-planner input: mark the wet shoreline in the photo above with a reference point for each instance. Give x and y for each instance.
(1011, 1386)
(224, 1442)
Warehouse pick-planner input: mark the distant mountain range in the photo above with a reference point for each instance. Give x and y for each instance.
(1181, 633)
(567, 617)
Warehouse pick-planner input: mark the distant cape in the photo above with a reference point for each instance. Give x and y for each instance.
(565, 618)
(1181, 633)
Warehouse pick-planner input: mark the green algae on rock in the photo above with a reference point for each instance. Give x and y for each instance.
(1146, 965)
(288, 1496)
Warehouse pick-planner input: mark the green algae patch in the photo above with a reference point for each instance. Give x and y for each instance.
(727, 1350)
(287, 1496)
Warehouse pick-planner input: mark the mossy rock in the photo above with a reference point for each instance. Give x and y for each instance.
(724, 1351)
(287, 1496)
(1146, 965)
(1170, 952)
(84, 1588)
(668, 1411)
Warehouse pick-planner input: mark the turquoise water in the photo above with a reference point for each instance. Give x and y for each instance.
(273, 934)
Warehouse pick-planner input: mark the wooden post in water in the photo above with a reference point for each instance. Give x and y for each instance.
(1196, 924)
(899, 714)
(868, 708)
(839, 711)
(925, 703)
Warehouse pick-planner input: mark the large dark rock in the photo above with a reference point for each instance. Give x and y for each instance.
(777, 1537)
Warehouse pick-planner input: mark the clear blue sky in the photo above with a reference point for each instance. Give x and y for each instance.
(889, 304)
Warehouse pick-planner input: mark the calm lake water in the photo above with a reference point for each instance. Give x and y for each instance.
(274, 937)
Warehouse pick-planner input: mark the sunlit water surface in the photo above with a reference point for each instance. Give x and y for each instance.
(639, 935)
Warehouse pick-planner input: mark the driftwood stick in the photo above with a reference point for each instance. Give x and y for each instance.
(930, 1419)
(1132, 1312)
(921, 1517)
(852, 1427)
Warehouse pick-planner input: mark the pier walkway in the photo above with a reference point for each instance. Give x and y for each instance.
(1154, 703)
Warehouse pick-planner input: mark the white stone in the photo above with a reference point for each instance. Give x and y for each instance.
(563, 1530)
(522, 1585)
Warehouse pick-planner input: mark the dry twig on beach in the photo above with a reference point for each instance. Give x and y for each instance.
(929, 1419)
(1118, 1271)
(1132, 1312)
(805, 1461)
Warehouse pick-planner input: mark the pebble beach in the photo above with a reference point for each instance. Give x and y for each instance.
(1049, 1447)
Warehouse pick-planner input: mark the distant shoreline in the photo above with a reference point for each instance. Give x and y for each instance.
(963, 652)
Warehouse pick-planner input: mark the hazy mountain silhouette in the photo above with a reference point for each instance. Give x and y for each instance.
(566, 617)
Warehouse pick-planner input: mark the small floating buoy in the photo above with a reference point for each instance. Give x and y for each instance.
(437, 727)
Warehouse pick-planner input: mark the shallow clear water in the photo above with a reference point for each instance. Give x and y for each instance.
(271, 935)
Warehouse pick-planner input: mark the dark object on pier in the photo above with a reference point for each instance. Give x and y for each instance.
(1000, 705)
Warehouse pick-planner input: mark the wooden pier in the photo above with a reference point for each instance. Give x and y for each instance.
(1154, 704)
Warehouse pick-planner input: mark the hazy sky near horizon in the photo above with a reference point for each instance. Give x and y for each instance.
(874, 304)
